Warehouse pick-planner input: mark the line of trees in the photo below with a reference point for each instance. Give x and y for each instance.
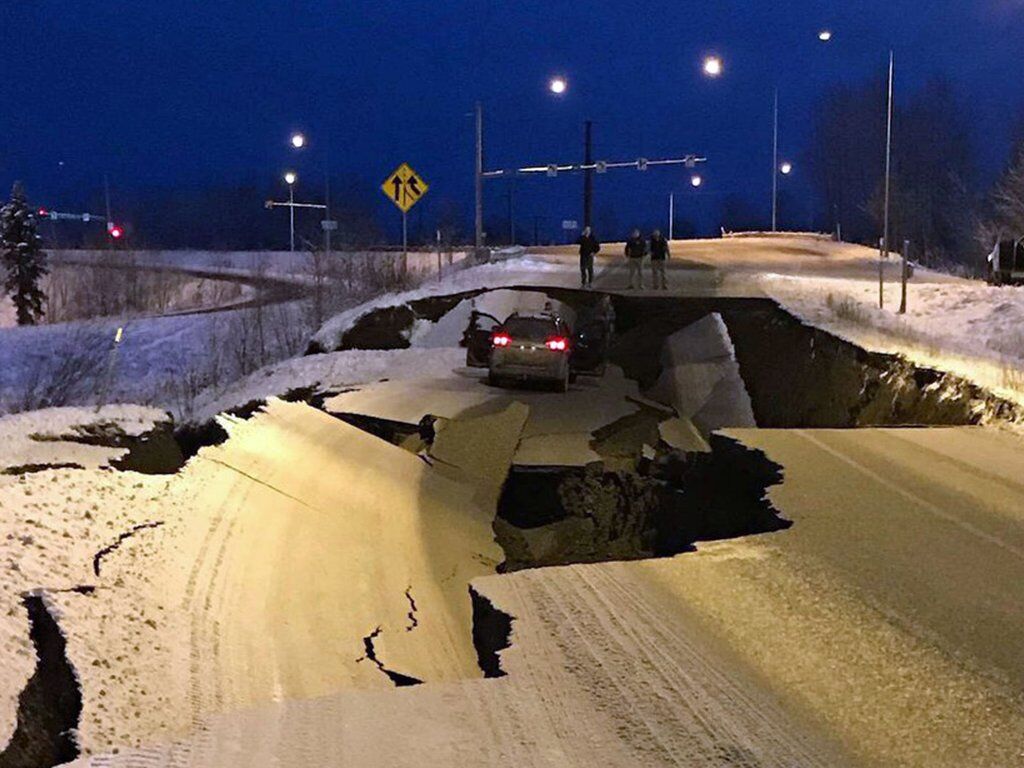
(938, 201)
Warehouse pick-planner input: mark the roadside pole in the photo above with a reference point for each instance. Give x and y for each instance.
(906, 269)
(775, 164)
(479, 180)
(439, 267)
(671, 214)
(888, 161)
(881, 273)
(404, 187)
(291, 216)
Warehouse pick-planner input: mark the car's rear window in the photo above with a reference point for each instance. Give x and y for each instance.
(530, 328)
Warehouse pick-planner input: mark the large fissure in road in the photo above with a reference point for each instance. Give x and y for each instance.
(798, 376)
(562, 515)
(50, 705)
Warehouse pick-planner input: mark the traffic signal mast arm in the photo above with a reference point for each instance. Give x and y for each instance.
(273, 204)
(690, 161)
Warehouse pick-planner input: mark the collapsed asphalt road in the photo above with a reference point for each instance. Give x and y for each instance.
(302, 534)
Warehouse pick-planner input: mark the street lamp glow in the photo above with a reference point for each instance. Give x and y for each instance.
(786, 169)
(290, 178)
(825, 35)
(298, 140)
(558, 85)
(696, 181)
(712, 66)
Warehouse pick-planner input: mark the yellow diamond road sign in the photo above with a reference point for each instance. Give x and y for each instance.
(405, 187)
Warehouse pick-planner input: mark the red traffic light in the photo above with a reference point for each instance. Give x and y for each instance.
(116, 232)
(43, 213)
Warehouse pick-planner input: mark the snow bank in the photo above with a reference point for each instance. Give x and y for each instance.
(965, 327)
(52, 436)
(510, 272)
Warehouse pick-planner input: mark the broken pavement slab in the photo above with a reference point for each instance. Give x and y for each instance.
(481, 448)
(282, 550)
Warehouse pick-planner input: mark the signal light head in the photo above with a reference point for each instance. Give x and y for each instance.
(116, 232)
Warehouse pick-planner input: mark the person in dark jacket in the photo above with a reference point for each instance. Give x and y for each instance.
(589, 248)
(659, 255)
(636, 249)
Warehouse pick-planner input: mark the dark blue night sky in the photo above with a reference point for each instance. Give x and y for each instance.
(165, 93)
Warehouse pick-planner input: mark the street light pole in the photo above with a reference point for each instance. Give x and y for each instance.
(775, 164)
(291, 213)
(479, 224)
(671, 214)
(588, 175)
(888, 175)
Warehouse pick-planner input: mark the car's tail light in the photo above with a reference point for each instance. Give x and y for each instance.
(558, 344)
(501, 339)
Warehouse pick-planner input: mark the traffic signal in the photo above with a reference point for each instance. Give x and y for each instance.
(116, 232)
(43, 213)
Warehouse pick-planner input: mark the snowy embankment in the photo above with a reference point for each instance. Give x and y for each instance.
(965, 327)
(169, 361)
(429, 353)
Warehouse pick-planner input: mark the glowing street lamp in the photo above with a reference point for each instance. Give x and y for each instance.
(558, 85)
(696, 180)
(713, 66)
(786, 168)
(825, 35)
(298, 140)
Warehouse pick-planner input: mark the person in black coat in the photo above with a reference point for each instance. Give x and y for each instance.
(659, 255)
(636, 249)
(589, 248)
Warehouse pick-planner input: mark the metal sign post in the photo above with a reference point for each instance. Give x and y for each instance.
(404, 187)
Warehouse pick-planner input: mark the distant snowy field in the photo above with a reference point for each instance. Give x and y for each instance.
(183, 363)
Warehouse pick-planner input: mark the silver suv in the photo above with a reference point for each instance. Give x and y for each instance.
(533, 347)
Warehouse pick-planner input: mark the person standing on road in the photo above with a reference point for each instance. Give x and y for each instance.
(659, 255)
(589, 248)
(636, 249)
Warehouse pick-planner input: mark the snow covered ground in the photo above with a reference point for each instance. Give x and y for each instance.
(7, 317)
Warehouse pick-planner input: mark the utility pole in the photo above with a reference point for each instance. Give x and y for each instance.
(291, 215)
(110, 221)
(479, 177)
(888, 162)
(327, 198)
(775, 164)
(588, 174)
(512, 210)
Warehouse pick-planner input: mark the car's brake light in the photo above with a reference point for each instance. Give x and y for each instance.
(558, 344)
(501, 340)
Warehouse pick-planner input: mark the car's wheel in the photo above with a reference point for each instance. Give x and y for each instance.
(493, 379)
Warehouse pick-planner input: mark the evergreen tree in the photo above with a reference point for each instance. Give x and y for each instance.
(22, 256)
